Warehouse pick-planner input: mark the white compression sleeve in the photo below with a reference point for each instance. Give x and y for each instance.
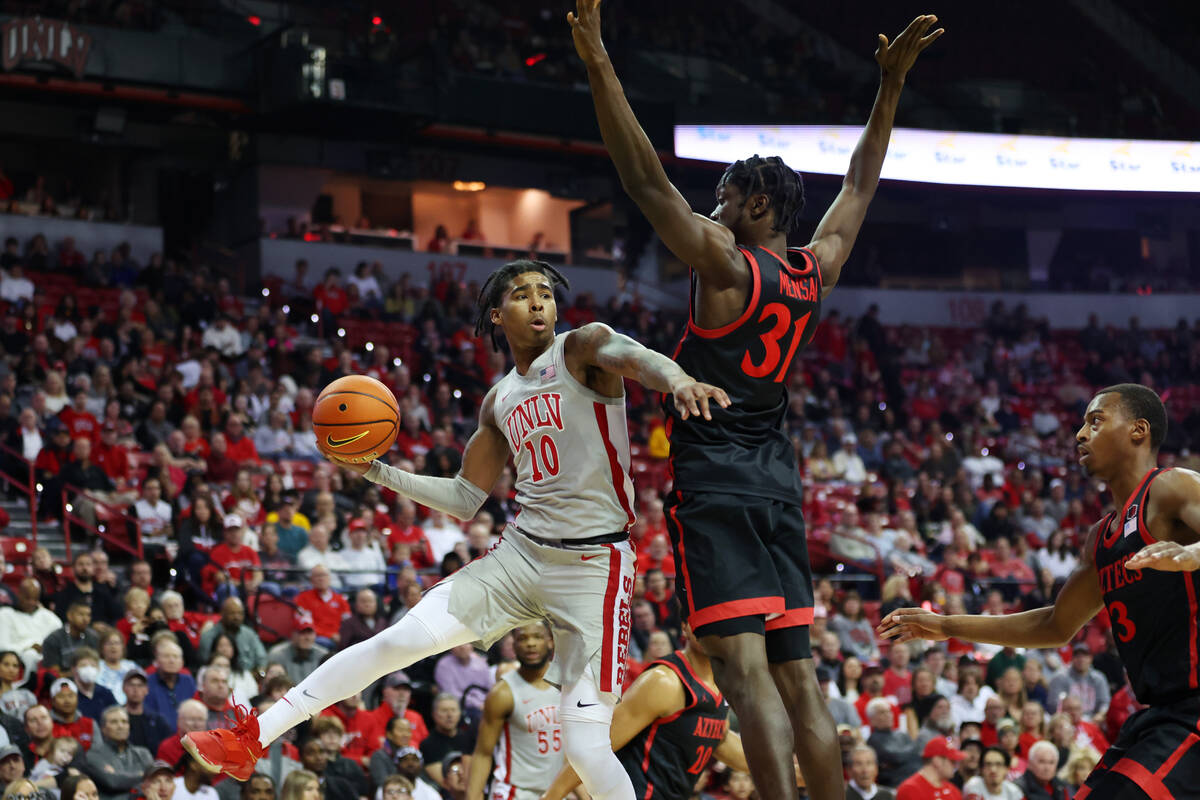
(428, 629)
(456, 496)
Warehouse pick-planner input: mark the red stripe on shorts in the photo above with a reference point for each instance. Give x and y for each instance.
(791, 619)
(607, 667)
(1189, 581)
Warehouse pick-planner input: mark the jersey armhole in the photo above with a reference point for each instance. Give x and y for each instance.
(559, 359)
(1141, 512)
(747, 313)
(691, 693)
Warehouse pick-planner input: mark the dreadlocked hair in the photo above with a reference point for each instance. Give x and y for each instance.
(782, 185)
(497, 284)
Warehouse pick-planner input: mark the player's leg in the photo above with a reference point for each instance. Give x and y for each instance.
(1156, 754)
(789, 653)
(726, 583)
(739, 662)
(429, 628)
(813, 731)
(587, 594)
(586, 715)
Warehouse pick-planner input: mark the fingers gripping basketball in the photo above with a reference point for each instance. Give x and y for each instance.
(356, 419)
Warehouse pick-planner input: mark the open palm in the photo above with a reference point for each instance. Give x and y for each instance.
(896, 58)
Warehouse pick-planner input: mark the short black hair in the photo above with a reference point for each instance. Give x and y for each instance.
(782, 185)
(1141, 402)
(497, 283)
(996, 749)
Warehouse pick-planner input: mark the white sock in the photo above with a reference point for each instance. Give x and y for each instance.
(587, 743)
(428, 629)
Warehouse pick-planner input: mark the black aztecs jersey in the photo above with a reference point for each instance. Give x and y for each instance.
(1154, 613)
(744, 449)
(665, 760)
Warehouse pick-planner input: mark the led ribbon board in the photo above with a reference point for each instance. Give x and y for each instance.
(964, 159)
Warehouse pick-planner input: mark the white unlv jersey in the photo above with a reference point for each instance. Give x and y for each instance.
(529, 752)
(571, 447)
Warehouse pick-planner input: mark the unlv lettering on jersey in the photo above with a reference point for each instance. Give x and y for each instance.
(539, 411)
(541, 719)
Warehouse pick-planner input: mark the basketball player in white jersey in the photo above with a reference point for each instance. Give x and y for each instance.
(520, 730)
(560, 414)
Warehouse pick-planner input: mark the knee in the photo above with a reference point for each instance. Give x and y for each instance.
(585, 742)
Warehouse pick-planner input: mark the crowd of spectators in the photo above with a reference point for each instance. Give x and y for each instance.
(173, 415)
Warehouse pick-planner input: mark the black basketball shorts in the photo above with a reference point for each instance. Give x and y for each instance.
(741, 566)
(1156, 756)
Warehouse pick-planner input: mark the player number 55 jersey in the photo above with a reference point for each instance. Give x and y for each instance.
(571, 448)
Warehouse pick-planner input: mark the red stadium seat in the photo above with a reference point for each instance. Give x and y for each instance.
(274, 618)
(16, 550)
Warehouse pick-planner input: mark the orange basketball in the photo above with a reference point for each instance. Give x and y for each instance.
(356, 419)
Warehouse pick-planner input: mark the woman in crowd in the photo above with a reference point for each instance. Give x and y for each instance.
(1033, 726)
(924, 695)
(241, 682)
(14, 698)
(857, 633)
(137, 603)
(243, 499)
(1057, 556)
(113, 663)
(1010, 688)
(299, 785)
(849, 674)
(1036, 687)
(78, 787)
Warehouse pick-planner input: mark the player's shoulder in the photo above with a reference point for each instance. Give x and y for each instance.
(585, 339)
(1176, 484)
(499, 702)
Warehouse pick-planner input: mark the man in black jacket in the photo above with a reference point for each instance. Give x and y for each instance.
(1039, 781)
(83, 589)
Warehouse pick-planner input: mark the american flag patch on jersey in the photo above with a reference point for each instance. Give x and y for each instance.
(547, 373)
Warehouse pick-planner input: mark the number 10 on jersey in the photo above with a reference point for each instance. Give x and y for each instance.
(549, 457)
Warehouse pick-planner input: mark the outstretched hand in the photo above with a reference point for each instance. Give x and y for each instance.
(907, 624)
(1165, 556)
(585, 30)
(691, 399)
(896, 58)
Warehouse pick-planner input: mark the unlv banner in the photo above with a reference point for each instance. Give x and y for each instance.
(37, 39)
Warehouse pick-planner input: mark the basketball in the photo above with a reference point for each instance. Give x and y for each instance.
(356, 419)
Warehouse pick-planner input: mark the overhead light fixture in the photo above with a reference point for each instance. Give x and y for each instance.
(469, 186)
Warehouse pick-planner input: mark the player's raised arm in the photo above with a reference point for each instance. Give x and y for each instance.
(657, 692)
(838, 229)
(496, 708)
(1176, 497)
(704, 245)
(598, 346)
(460, 496)
(1051, 626)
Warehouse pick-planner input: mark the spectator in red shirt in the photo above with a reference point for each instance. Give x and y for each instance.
(64, 710)
(111, 456)
(328, 608)
(79, 421)
(932, 780)
(330, 296)
(232, 556)
(657, 556)
(364, 734)
(661, 599)
(397, 692)
(407, 531)
(897, 678)
(194, 443)
(413, 441)
(220, 468)
(239, 447)
(870, 687)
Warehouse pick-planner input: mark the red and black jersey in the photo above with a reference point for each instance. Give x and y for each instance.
(665, 760)
(1154, 614)
(744, 449)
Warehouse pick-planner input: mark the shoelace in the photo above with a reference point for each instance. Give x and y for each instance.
(245, 724)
